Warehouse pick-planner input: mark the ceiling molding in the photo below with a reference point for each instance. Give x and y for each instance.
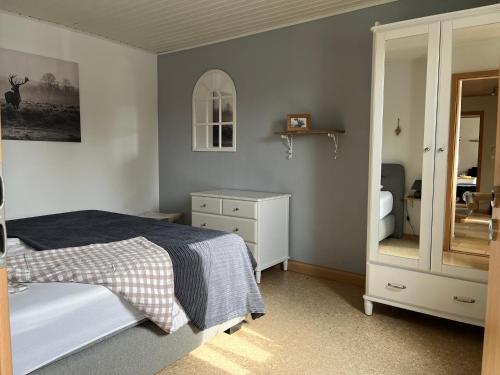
(167, 26)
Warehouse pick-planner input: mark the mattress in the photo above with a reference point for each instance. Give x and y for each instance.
(386, 227)
(386, 202)
(52, 320)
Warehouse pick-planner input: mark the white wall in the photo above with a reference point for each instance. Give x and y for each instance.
(404, 98)
(488, 104)
(115, 167)
(467, 150)
(475, 56)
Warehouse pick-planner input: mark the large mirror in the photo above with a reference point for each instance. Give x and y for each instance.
(402, 146)
(472, 140)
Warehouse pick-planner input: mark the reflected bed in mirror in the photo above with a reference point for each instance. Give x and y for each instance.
(392, 237)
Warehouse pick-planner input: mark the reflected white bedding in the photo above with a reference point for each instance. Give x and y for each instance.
(52, 320)
(386, 202)
(386, 227)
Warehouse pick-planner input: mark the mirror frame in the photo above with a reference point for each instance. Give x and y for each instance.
(455, 112)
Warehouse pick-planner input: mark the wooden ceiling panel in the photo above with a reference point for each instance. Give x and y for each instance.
(168, 25)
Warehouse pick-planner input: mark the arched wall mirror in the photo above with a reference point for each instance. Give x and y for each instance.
(214, 112)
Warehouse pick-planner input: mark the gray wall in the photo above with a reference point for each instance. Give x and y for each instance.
(322, 67)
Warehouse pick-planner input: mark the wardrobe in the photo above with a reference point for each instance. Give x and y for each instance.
(430, 220)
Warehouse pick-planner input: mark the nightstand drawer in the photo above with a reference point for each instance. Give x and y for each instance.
(208, 205)
(247, 229)
(237, 208)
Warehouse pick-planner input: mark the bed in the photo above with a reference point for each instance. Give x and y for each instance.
(70, 328)
(391, 209)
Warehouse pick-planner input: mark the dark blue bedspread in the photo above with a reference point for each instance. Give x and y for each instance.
(213, 270)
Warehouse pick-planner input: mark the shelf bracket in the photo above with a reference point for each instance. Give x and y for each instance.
(288, 141)
(335, 138)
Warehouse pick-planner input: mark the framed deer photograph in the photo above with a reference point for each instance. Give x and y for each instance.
(39, 98)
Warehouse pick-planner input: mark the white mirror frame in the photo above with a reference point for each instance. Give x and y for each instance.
(212, 81)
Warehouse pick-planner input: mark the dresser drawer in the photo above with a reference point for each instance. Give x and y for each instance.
(231, 207)
(444, 294)
(206, 221)
(208, 205)
(247, 229)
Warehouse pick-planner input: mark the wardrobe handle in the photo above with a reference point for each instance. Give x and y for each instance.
(236, 209)
(493, 230)
(427, 149)
(203, 205)
(3, 243)
(203, 225)
(236, 230)
(396, 286)
(440, 149)
(464, 299)
(2, 191)
(495, 196)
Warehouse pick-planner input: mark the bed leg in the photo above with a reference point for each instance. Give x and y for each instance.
(257, 276)
(234, 329)
(284, 265)
(368, 307)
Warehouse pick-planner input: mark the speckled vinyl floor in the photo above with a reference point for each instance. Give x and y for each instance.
(315, 326)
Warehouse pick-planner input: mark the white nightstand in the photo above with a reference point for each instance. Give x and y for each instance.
(171, 217)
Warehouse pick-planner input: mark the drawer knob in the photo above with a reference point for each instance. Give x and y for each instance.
(203, 205)
(396, 286)
(464, 299)
(203, 225)
(236, 209)
(236, 230)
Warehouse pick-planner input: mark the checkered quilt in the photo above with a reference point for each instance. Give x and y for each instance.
(136, 269)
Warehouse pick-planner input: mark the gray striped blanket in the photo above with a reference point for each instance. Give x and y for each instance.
(137, 270)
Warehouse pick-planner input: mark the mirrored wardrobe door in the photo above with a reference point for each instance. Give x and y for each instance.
(404, 120)
(466, 137)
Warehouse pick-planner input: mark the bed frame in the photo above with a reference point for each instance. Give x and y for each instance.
(141, 350)
(393, 180)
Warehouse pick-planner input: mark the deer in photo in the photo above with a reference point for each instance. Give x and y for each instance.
(13, 97)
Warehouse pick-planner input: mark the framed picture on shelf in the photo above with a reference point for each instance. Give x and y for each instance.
(299, 122)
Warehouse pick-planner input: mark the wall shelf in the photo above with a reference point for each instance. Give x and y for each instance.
(333, 134)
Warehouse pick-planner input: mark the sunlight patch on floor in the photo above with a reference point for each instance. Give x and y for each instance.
(241, 347)
(216, 359)
(256, 334)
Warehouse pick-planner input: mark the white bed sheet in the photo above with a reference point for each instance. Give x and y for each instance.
(52, 320)
(386, 202)
(386, 227)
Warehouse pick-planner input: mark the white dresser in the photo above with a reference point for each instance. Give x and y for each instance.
(260, 218)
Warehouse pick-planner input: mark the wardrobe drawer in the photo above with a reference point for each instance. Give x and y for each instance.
(205, 204)
(247, 229)
(231, 207)
(440, 293)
